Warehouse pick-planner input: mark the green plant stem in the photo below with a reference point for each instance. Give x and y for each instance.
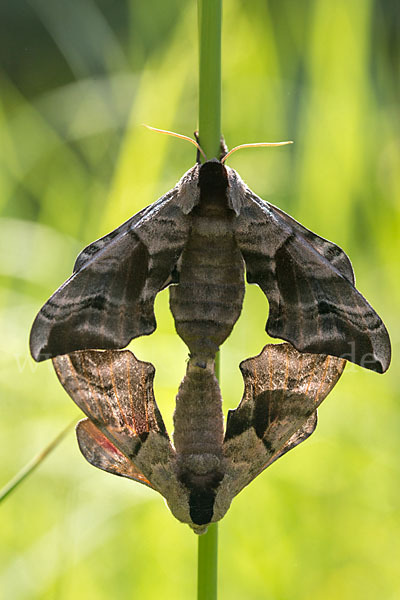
(210, 23)
(207, 564)
(33, 464)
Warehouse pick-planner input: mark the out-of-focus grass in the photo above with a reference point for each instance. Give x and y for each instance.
(324, 521)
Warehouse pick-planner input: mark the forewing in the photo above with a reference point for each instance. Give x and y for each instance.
(330, 251)
(101, 453)
(115, 390)
(283, 389)
(109, 300)
(95, 247)
(313, 303)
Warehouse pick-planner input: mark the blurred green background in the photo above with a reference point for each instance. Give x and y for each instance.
(77, 80)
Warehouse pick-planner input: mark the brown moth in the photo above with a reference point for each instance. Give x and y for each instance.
(205, 468)
(200, 239)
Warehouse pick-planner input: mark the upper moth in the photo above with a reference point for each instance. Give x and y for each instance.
(199, 239)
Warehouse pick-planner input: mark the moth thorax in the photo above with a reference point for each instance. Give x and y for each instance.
(213, 179)
(201, 464)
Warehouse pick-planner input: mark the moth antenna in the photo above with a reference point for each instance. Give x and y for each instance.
(223, 148)
(178, 135)
(255, 145)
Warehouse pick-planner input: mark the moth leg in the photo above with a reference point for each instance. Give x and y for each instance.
(223, 147)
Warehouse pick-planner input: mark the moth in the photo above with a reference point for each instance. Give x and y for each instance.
(200, 239)
(206, 467)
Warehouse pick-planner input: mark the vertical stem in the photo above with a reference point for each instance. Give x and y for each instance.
(210, 22)
(207, 564)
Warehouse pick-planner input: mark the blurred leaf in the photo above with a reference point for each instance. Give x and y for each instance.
(33, 464)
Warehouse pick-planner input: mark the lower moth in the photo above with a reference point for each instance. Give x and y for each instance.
(206, 466)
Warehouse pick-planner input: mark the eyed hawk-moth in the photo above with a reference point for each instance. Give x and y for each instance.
(206, 467)
(200, 239)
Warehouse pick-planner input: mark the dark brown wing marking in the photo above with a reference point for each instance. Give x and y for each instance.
(308, 283)
(283, 389)
(101, 453)
(297, 438)
(109, 300)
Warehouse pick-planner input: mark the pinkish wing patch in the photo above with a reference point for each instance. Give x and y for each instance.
(101, 453)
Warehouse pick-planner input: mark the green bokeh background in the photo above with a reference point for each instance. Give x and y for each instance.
(77, 80)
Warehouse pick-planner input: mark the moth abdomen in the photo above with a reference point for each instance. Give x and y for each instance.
(208, 299)
(198, 421)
